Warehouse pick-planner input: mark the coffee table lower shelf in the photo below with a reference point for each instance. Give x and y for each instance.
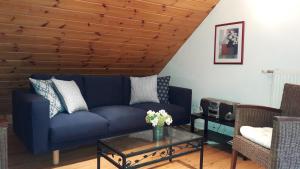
(145, 157)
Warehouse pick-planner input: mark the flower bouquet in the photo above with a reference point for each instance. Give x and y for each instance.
(158, 120)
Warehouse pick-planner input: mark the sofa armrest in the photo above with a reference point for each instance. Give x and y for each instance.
(182, 97)
(255, 116)
(31, 120)
(285, 147)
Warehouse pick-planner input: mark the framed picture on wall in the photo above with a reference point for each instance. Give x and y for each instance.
(229, 43)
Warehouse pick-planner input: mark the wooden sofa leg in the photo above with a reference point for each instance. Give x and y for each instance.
(55, 157)
(234, 159)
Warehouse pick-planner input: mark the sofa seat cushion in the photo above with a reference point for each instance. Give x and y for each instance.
(177, 112)
(122, 119)
(79, 125)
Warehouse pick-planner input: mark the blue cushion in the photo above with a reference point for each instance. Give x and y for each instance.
(103, 91)
(77, 78)
(177, 112)
(126, 90)
(45, 89)
(78, 125)
(163, 89)
(122, 119)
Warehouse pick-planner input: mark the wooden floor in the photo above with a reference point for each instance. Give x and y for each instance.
(84, 158)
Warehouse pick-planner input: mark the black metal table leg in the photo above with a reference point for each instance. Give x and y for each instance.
(98, 161)
(99, 151)
(201, 154)
(123, 162)
(193, 124)
(170, 153)
(206, 130)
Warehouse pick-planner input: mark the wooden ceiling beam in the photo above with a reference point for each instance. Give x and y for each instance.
(103, 9)
(57, 13)
(45, 40)
(33, 21)
(81, 35)
(32, 48)
(76, 70)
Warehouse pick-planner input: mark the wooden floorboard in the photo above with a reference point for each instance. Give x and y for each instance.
(84, 158)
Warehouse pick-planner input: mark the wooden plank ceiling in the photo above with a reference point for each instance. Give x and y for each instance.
(133, 37)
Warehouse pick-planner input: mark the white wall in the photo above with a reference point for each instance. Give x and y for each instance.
(272, 41)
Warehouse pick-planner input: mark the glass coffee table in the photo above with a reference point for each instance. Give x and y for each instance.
(139, 149)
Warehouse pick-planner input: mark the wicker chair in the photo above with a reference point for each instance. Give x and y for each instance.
(285, 146)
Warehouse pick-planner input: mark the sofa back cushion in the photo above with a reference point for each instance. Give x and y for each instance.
(126, 90)
(77, 78)
(103, 90)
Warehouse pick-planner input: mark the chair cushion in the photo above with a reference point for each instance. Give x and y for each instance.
(178, 113)
(79, 125)
(259, 135)
(122, 119)
(103, 91)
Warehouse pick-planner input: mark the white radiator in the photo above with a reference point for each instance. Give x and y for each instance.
(279, 79)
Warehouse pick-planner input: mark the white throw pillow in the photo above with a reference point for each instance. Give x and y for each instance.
(70, 95)
(144, 89)
(259, 135)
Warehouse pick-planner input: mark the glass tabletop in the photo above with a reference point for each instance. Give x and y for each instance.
(143, 141)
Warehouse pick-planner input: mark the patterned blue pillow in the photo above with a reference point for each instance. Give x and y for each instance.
(163, 89)
(45, 89)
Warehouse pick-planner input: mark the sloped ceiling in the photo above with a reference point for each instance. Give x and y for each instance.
(133, 37)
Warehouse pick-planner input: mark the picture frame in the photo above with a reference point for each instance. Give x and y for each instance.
(229, 43)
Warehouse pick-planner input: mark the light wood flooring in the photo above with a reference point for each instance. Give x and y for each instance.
(84, 158)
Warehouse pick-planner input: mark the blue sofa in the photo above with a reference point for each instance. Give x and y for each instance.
(109, 113)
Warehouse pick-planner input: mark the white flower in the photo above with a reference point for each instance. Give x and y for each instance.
(163, 113)
(158, 118)
(169, 121)
(154, 122)
(150, 113)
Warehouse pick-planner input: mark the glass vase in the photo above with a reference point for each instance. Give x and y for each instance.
(158, 133)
